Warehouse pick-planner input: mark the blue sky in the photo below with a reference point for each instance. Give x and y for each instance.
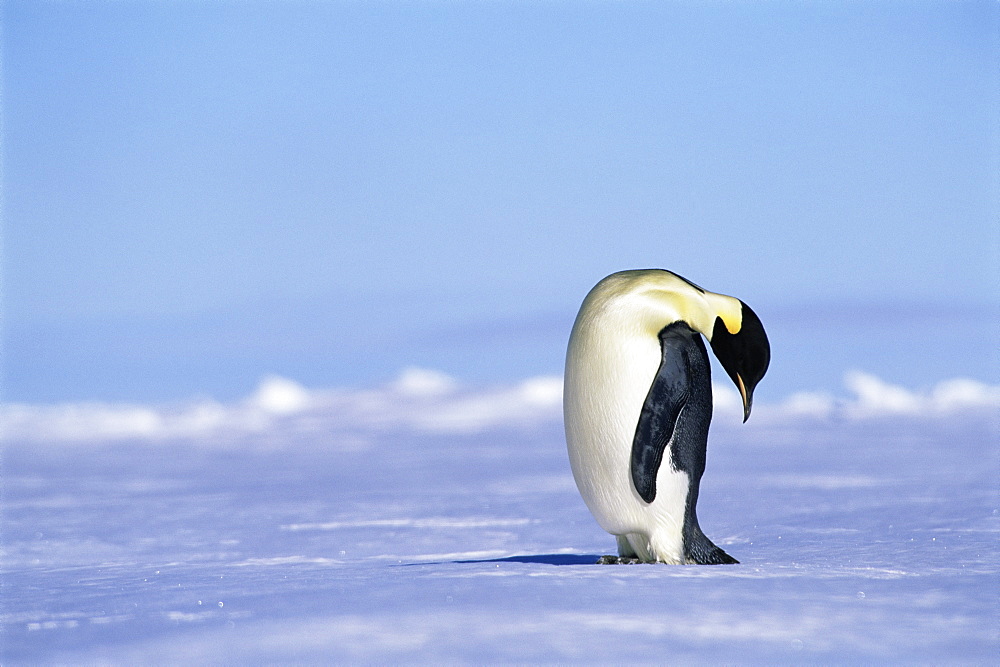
(199, 194)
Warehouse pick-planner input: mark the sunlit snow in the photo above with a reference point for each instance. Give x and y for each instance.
(427, 520)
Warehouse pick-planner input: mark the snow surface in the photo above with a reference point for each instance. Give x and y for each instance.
(426, 521)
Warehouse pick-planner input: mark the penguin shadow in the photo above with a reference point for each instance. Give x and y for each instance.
(539, 559)
(534, 559)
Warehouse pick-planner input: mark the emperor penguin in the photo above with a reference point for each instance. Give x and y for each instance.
(637, 403)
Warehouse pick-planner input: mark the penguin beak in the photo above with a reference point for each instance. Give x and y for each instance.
(747, 397)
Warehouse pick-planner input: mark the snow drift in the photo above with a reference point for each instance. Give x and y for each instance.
(427, 401)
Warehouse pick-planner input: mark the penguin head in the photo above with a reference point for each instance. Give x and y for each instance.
(741, 346)
(645, 301)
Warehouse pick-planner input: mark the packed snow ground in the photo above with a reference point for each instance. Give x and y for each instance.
(425, 521)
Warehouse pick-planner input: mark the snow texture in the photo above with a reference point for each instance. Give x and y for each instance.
(426, 521)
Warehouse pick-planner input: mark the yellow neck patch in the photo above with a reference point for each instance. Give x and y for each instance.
(733, 325)
(728, 309)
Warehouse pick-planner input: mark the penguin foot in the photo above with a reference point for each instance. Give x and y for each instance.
(618, 560)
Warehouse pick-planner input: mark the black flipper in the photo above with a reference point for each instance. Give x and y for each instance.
(669, 393)
(676, 415)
